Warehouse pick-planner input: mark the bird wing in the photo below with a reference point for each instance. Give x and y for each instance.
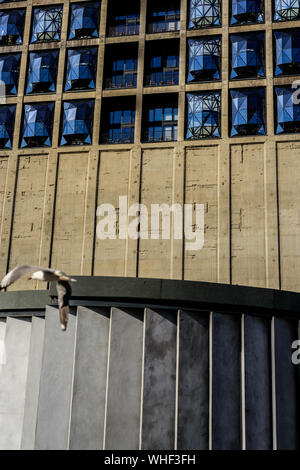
(19, 272)
(64, 293)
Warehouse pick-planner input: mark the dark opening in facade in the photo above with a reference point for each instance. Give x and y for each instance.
(162, 63)
(160, 118)
(118, 121)
(120, 68)
(163, 16)
(123, 19)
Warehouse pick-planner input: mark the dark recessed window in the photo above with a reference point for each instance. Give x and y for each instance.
(247, 112)
(42, 72)
(123, 19)
(162, 63)
(203, 115)
(37, 125)
(118, 121)
(47, 23)
(160, 121)
(204, 59)
(121, 66)
(204, 14)
(247, 55)
(163, 16)
(84, 20)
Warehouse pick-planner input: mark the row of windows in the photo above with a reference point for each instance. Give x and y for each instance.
(160, 118)
(162, 16)
(247, 60)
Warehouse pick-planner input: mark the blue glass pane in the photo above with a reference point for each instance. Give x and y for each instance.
(42, 72)
(286, 10)
(7, 122)
(204, 115)
(84, 20)
(247, 11)
(37, 125)
(204, 13)
(288, 110)
(81, 69)
(9, 72)
(247, 55)
(47, 23)
(77, 126)
(204, 59)
(11, 26)
(247, 112)
(287, 59)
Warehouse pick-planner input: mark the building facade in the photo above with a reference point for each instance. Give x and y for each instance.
(180, 101)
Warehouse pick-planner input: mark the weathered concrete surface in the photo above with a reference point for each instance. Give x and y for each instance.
(226, 382)
(125, 380)
(53, 419)
(258, 388)
(159, 380)
(90, 374)
(33, 383)
(13, 375)
(193, 386)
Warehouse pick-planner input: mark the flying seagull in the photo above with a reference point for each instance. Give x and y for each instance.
(63, 286)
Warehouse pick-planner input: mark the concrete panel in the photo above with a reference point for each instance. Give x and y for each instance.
(193, 390)
(69, 224)
(2, 342)
(28, 215)
(226, 382)
(159, 380)
(258, 393)
(110, 255)
(287, 386)
(13, 375)
(52, 431)
(155, 255)
(3, 181)
(125, 380)
(289, 213)
(90, 373)
(248, 215)
(201, 187)
(33, 383)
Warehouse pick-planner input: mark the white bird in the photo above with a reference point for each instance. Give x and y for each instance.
(63, 286)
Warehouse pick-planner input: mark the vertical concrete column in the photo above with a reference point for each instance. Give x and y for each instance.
(124, 380)
(33, 383)
(159, 388)
(13, 377)
(90, 373)
(100, 68)
(140, 75)
(53, 418)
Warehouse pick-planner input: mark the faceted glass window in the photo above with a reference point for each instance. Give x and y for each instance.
(247, 112)
(204, 13)
(204, 115)
(37, 125)
(7, 123)
(247, 55)
(77, 125)
(204, 59)
(286, 10)
(10, 71)
(11, 26)
(42, 72)
(287, 110)
(47, 23)
(81, 69)
(247, 11)
(287, 58)
(84, 21)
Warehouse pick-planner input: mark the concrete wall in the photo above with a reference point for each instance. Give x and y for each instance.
(249, 185)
